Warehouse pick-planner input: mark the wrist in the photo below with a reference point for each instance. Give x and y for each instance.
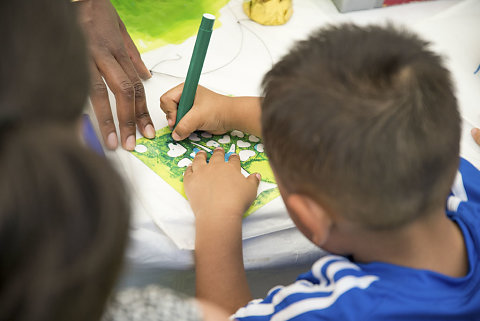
(230, 116)
(245, 115)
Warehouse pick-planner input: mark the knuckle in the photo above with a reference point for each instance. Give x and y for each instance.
(120, 52)
(99, 89)
(130, 124)
(142, 115)
(139, 90)
(126, 89)
(163, 100)
(107, 122)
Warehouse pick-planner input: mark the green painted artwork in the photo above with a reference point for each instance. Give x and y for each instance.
(169, 158)
(155, 23)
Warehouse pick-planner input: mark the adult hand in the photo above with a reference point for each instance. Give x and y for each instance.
(115, 57)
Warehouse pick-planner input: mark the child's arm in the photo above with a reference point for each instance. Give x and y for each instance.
(212, 112)
(219, 196)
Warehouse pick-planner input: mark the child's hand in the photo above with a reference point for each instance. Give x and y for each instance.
(476, 135)
(218, 187)
(209, 112)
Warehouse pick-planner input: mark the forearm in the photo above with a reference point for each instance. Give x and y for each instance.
(220, 274)
(245, 114)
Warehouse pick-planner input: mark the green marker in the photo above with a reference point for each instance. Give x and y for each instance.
(196, 65)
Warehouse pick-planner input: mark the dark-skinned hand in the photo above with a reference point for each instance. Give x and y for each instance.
(115, 58)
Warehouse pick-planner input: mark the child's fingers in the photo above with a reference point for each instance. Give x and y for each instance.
(169, 104)
(218, 156)
(476, 135)
(234, 159)
(188, 172)
(199, 160)
(254, 179)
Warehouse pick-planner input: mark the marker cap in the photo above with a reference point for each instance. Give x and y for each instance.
(207, 21)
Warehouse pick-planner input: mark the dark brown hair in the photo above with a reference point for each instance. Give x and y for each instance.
(64, 214)
(365, 121)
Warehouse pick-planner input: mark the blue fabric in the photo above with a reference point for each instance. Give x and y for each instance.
(338, 289)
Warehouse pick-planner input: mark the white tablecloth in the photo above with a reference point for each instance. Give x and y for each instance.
(240, 52)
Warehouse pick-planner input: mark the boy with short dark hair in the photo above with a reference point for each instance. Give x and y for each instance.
(362, 130)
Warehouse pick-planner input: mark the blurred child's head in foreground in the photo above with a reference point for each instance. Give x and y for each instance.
(64, 214)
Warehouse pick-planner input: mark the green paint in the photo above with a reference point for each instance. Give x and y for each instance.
(155, 156)
(155, 23)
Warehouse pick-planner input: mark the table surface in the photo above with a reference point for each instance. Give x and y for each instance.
(241, 52)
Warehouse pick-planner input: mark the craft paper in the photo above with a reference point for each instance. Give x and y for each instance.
(169, 158)
(155, 23)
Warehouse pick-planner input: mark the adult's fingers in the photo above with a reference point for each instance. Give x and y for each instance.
(476, 135)
(217, 156)
(133, 53)
(101, 106)
(142, 116)
(122, 87)
(169, 104)
(199, 160)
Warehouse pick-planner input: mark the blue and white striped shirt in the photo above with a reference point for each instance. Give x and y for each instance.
(338, 289)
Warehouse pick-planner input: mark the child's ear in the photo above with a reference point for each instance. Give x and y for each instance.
(310, 217)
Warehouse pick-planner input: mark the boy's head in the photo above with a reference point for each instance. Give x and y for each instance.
(64, 214)
(364, 121)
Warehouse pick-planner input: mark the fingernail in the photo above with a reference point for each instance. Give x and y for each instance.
(149, 131)
(112, 141)
(130, 142)
(474, 131)
(175, 136)
(258, 176)
(171, 122)
(218, 148)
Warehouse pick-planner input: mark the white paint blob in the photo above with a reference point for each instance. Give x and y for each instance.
(184, 162)
(212, 143)
(206, 135)
(224, 140)
(140, 148)
(253, 139)
(259, 148)
(176, 150)
(243, 144)
(194, 137)
(246, 154)
(237, 133)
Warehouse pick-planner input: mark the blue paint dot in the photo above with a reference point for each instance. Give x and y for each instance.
(227, 156)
